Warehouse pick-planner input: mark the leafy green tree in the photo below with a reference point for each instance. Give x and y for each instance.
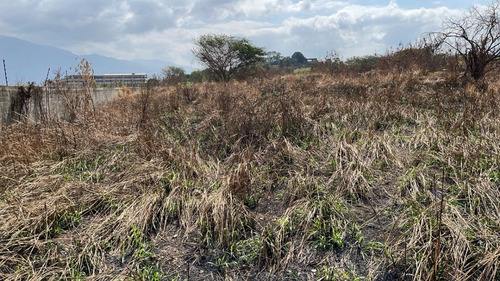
(173, 75)
(273, 58)
(198, 76)
(299, 60)
(363, 64)
(152, 82)
(227, 55)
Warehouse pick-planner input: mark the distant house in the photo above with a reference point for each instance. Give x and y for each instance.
(128, 79)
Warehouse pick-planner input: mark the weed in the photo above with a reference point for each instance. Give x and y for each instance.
(58, 222)
(331, 274)
(149, 273)
(135, 246)
(247, 251)
(327, 227)
(223, 262)
(84, 170)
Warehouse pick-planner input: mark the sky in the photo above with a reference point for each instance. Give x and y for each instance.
(165, 29)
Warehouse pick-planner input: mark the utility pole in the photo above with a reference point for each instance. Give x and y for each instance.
(5, 71)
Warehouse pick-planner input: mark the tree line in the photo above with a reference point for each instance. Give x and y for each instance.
(469, 44)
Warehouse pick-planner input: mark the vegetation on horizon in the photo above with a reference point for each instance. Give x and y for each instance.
(309, 176)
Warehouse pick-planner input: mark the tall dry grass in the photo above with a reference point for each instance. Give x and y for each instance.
(382, 177)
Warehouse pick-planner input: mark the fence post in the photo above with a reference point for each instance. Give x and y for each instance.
(5, 72)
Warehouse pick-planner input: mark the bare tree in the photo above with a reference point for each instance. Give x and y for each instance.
(475, 37)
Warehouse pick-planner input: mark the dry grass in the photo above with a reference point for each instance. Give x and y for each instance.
(310, 177)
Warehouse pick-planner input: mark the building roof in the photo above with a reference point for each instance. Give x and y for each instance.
(119, 74)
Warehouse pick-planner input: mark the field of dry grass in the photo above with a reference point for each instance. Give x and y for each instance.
(305, 177)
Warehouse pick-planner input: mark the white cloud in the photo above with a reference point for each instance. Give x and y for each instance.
(360, 30)
(165, 29)
(256, 8)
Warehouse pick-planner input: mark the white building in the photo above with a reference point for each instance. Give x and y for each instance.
(127, 79)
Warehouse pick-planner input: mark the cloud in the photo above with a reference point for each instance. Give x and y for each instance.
(147, 16)
(165, 29)
(357, 30)
(90, 20)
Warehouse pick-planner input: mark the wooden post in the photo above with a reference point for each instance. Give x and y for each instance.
(5, 71)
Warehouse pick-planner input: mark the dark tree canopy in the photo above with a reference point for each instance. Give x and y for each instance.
(299, 59)
(475, 37)
(227, 55)
(173, 74)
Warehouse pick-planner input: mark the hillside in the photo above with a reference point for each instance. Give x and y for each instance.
(29, 62)
(303, 177)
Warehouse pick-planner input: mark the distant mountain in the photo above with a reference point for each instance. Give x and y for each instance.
(28, 62)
